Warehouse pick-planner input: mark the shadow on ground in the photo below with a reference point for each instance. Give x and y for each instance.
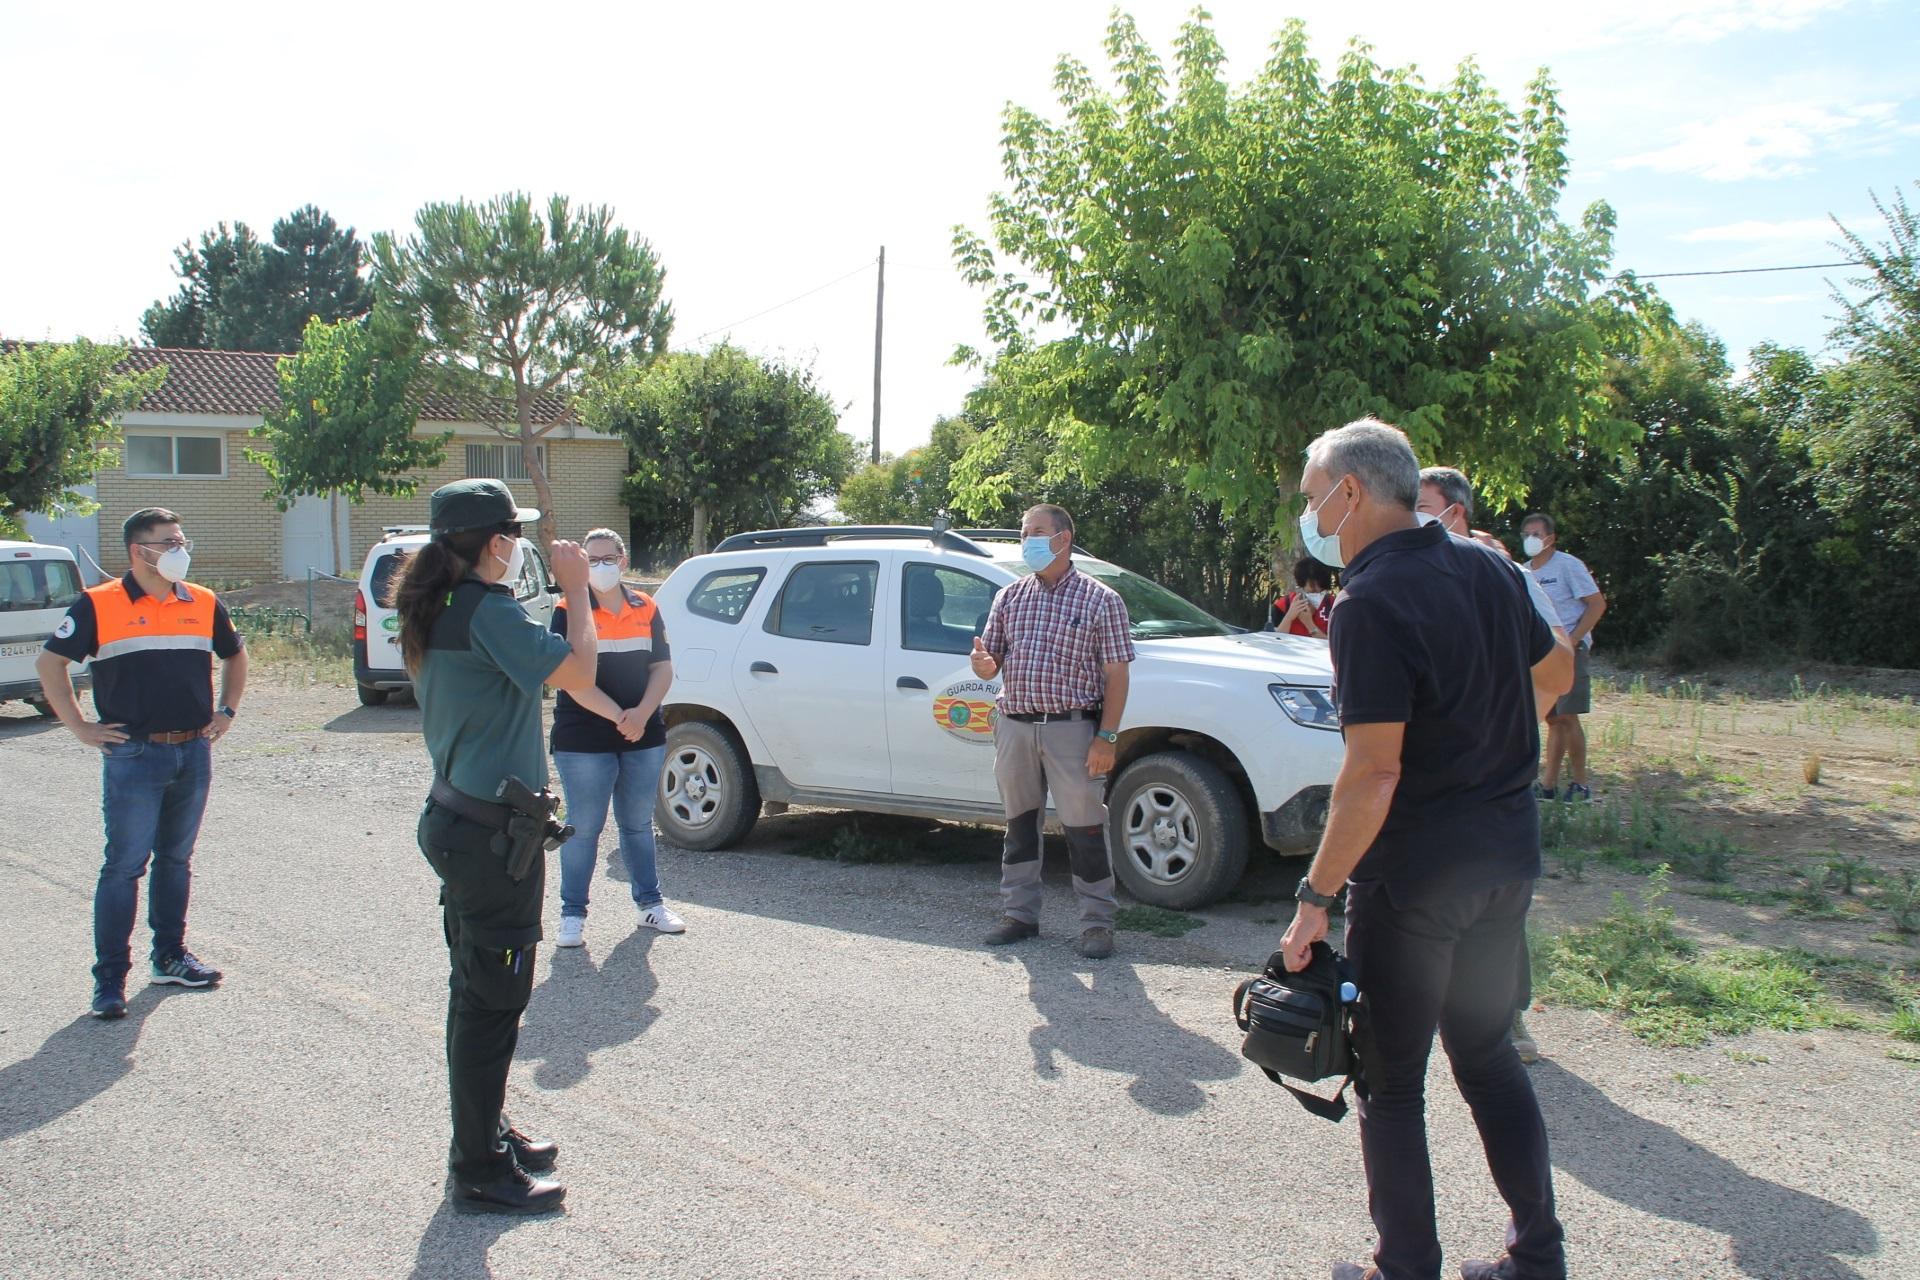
(75, 1065)
(1106, 1020)
(1777, 1233)
(584, 1007)
(455, 1245)
(394, 717)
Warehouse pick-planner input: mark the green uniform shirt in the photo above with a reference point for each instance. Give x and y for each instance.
(479, 690)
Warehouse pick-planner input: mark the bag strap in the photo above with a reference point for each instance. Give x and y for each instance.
(1334, 1108)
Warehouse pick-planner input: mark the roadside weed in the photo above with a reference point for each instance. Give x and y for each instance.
(1157, 921)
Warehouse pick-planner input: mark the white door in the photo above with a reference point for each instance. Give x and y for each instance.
(809, 675)
(306, 536)
(78, 534)
(940, 715)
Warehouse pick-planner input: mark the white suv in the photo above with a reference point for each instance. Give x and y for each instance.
(377, 668)
(828, 666)
(38, 584)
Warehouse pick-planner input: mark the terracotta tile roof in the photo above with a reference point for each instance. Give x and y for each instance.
(244, 383)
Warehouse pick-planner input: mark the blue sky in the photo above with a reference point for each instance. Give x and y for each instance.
(768, 149)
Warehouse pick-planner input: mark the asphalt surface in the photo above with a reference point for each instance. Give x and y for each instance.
(825, 1076)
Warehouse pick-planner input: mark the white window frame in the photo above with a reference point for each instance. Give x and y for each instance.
(511, 460)
(173, 435)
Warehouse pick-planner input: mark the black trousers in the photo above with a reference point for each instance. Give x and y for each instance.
(491, 926)
(1447, 963)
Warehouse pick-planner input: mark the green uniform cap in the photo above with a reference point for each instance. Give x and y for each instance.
(475, 504)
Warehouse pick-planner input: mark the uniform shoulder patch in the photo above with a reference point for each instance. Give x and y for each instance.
(65, 628)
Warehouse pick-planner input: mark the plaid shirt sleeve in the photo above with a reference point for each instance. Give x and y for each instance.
(1115, 637)
(994, 636)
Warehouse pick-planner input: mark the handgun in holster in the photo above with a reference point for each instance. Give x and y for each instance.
(531, 828)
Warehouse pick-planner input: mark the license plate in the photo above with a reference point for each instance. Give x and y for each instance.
(29, 650)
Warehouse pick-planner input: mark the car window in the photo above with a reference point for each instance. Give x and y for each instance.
(1153, 612)
(533, 573)
(942, 609)
(38, 584)
(724, 594)
(831, 602)
(386, 573)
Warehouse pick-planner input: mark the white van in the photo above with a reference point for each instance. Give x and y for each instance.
(38, 583)
(377, 668)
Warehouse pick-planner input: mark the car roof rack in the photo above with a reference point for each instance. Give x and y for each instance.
(394, 530)
(1014, 535)
(821, 535)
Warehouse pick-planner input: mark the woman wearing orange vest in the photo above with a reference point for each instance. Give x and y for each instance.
(599, 760)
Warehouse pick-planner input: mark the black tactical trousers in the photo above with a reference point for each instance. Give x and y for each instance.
(491, 925)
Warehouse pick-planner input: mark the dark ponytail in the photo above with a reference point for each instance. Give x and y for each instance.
(424, 590)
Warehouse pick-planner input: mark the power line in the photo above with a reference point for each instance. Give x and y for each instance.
(789, 302)
(1744, 271)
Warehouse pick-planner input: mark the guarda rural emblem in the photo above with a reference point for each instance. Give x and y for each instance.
(966, 710)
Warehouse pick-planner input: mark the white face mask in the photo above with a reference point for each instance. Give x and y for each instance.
(173, 564)
(1315, 597)
(604, 577)
(1533, 545)
(514, 562)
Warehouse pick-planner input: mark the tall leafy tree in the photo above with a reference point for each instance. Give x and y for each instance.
(721, 442)
(208, 275)
(1190, 277)
(913, 488)
(515, 302)
(240, 294)
(346, 418)
(58, 405)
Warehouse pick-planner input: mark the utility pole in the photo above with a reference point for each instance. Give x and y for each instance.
(879, 323)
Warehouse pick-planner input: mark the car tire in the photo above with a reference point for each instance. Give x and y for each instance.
(709, 798)
(370, 696)
(41, 707)
(1177, 830)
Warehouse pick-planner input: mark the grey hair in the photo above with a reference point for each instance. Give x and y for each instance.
(1453, 486)
(1540, 518)
(609, 535)
(1375, 454)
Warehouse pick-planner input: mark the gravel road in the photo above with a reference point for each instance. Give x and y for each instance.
(824, 1077)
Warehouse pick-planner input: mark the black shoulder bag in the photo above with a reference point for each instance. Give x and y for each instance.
(1297, 1025)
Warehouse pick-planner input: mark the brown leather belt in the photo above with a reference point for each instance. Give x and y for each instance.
(174, 737)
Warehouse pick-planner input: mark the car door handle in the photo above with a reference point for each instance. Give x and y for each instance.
(764, 669)
(910, 682)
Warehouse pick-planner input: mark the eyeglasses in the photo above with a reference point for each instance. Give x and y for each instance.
(171, 544)
(597, 561)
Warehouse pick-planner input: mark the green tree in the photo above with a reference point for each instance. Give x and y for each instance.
(58, 408)
(208, 275)
(1242, 267)
(720, 442)
(515, 303)
(913, 488)
(238, 294)
(346, 418)
(1866, 445)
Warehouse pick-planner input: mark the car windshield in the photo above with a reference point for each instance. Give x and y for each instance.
(1154, 612)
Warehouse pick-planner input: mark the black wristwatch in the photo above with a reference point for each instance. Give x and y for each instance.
(1305, 892)
(227, 711)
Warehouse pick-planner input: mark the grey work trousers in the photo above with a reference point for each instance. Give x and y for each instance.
(1030, 760)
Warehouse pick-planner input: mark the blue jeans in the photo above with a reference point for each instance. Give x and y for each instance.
(152, 797)
(631, 780)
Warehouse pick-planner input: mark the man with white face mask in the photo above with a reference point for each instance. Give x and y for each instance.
(1580, 604)
(153, 637)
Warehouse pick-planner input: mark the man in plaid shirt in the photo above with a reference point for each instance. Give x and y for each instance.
(1061, 641)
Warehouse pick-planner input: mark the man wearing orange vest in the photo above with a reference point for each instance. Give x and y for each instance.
(152, 636)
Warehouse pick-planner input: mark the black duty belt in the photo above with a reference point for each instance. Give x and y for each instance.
(458, 802)
(1043, 717)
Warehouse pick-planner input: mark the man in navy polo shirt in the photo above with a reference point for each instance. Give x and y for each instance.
(1434, 832)
(153, 637)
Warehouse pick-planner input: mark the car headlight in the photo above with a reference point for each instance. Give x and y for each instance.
(1308, 705)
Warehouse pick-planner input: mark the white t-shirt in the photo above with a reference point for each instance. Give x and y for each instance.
(1567, 583)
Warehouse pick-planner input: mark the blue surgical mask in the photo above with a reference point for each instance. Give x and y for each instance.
(1038, 552)
(1324, 547)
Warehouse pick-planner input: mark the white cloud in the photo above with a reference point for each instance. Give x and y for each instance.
(1756, 232)
(1774, 141)
(1704, 21)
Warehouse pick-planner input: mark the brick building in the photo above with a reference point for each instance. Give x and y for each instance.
(185, 448)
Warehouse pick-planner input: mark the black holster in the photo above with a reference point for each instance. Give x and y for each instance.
(531, 827)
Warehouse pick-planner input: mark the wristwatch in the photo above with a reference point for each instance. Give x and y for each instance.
(227, 711)
(1107, 735)
(1305, 892)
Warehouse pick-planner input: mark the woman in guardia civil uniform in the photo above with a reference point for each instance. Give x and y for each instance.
(478, 662)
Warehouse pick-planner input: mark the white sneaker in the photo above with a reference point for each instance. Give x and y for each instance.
(573, 932)
(660, 916)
